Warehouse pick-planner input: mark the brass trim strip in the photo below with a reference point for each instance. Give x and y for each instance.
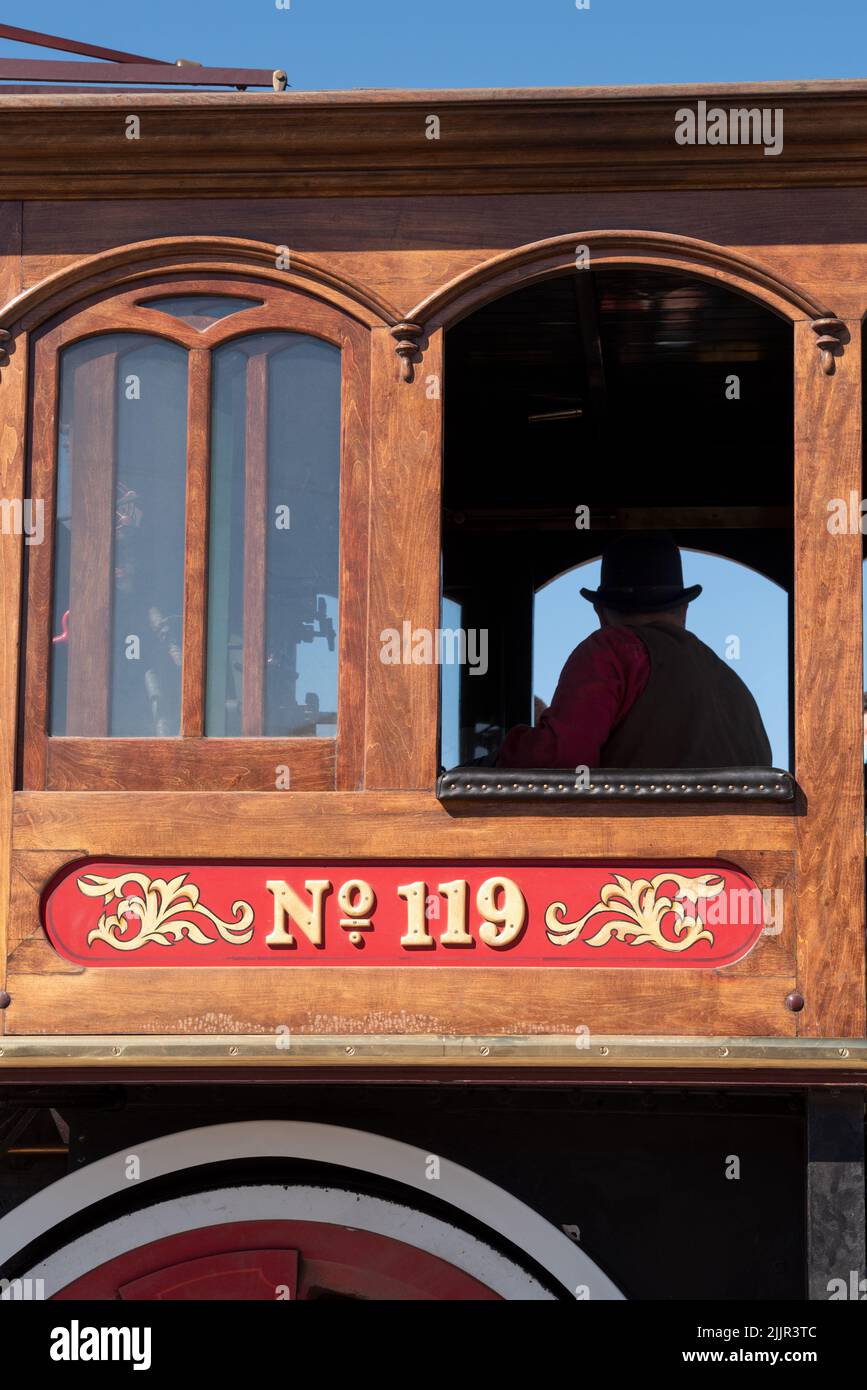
(287, 1051)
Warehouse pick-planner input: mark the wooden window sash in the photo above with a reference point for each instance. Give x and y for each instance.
(255, 542)
(194, 761)
(44, 425)
(93, 492)
(198, 492)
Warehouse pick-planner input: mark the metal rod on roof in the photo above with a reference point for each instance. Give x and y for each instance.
(89, 50)
(147, 74)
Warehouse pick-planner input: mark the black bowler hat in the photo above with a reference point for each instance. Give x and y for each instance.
(642, 574)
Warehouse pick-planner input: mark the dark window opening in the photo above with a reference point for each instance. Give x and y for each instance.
(658, 402)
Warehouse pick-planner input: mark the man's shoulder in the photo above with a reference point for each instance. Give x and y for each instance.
(622, 645)
(615, 639)
(715, 666)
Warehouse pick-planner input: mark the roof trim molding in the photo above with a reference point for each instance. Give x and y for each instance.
(367, 144)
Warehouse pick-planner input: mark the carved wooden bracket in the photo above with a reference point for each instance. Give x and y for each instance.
(831, 336)
(407, 335)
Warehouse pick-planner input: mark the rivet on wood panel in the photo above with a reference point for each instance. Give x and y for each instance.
(795, 1001)
(5, 999)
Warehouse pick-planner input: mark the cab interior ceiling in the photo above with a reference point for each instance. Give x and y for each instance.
(608, 389)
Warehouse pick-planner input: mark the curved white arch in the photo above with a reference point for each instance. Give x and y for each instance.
(328, 1205)
(354, 1149)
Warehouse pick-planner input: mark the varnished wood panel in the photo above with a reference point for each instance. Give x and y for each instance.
(42, 424)
(31, 872)
(72, 145)
(775, 952)
(370, 825)
(13, 397)
(51, 995)
(746, 999)
(407, 247)
(11, 240)
(255, 543)
(828, 686)
(399, 1001)
(93, 500)
(355, 558)
(146, 764)
(406, 443)
(198, 499)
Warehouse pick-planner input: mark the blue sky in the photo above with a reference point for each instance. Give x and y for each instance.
(477, 43)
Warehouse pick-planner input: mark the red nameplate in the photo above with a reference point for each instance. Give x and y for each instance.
(638, 915)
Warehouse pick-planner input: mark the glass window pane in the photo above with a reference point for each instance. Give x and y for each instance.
(119, 539)
(274, 552)
(199, 311)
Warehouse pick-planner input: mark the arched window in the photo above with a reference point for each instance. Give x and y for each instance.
(622, 399)
(186, 621)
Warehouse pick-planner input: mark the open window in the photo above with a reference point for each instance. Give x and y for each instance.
(187, 622)
(601, 403)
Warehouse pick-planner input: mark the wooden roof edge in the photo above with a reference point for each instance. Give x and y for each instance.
(376, 96)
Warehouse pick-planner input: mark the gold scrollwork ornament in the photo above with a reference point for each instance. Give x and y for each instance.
(157, 912)
(642, 913)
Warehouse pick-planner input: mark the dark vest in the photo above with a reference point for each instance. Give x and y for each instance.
(693, 712)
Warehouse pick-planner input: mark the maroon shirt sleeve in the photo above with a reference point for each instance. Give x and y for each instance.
(599, 684)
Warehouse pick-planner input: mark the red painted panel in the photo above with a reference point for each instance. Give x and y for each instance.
(633, 915)
(248, 1275)
(331, 1261)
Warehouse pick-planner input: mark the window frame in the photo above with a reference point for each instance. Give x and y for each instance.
(193, 761)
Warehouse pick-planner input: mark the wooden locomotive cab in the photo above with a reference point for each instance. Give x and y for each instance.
(283, 382)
